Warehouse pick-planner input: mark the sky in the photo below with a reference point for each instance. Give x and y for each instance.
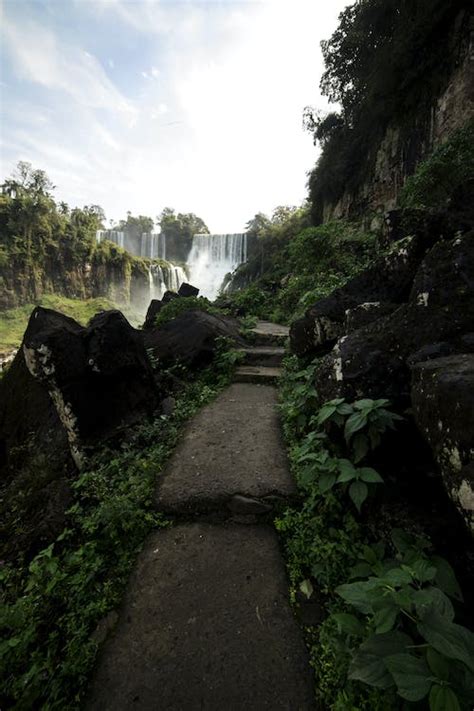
(141, 104)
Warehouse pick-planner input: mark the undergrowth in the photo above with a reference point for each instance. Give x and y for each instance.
(389, 639)
(178, 306)
(52, 605)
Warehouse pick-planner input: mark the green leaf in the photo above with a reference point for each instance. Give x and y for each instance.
(354, 423)
(325, 413)
(365, 404)
(349, 624)
(438, 664)
(326, 482)
(397, 577)
(347, 471)
(411, 675)
(345, 409)
(367, 664)
(359, 594)
(442, 698)
(358, 492)
(423, 571)
(446, 579)
(433, 598)
(385, 619)
(360, 446)
(447, 638)
(306, 588)
(370, 475)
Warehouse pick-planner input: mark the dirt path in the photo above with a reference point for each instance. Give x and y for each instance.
(206, 623)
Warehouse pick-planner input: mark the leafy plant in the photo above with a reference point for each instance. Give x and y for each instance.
(176, 307)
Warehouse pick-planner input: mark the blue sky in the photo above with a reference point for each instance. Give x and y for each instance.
(141, 104)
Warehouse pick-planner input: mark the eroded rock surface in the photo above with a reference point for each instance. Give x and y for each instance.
(443, 407)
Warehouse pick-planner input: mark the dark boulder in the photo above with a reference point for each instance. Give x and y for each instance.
(191, 338)
(99, 378)
(374, 361)
(169, 296)
(188, 290)
(422, 224)
(363, 314)
(389, 281)
(153, 310)
(443, 408)
(69, 389)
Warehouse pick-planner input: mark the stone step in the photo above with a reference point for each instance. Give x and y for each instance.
(256, 374)
(271, 356)
(266, 333)
(206, 624)
(223, 458)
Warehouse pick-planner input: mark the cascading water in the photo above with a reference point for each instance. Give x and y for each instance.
(210, 259)
(214, 256)
(164, 278)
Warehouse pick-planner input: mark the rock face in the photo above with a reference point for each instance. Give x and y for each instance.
(443, 407)
(374, 361)
(388, 281)
(98, 378)
(191, 338)
(153, 310)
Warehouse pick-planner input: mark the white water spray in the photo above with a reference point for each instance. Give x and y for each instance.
(214, 256)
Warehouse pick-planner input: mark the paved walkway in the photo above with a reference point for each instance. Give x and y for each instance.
(206, 623)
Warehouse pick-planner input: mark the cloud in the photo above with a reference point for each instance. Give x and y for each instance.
(202, 111)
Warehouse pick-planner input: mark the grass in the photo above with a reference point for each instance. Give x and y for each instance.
(13, 322)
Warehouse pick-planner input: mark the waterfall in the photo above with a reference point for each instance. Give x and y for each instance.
(164, 278)
(214, 256)
(112, 235)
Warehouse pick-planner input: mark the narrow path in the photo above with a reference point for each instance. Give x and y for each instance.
(206, 623)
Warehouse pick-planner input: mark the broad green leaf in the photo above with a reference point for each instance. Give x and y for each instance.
(369, 554)
(397, 577)
(424, 572)
(360, 446)
(442, 698)
(446, 578)
(358, 492)
(447, 638)
(325, 413)
(411, 675)
(385, 619)
(354, 423)
(433, 598)
(374, 438)
(365, 404)
(370, 475)
(347, 471)
(326, 482)
(368, 665)
(345, 409)
(337, 401)
(359, 594)
(306, 588)
(438, 664)
(349, 624)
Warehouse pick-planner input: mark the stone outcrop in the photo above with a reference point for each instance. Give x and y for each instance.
(191, 338)
(92, 380)
(442, 397)
(374, 361)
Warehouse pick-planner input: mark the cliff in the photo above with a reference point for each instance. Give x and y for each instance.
(354, 183)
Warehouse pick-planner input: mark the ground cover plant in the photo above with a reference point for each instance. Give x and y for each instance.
(53, 606)
(390, 638)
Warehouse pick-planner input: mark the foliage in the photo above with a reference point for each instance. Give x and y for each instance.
(135, 226)
(387, 61)
(449, 167)
(176, 307)
(293, 265)
(52, 605)
(390, 636)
